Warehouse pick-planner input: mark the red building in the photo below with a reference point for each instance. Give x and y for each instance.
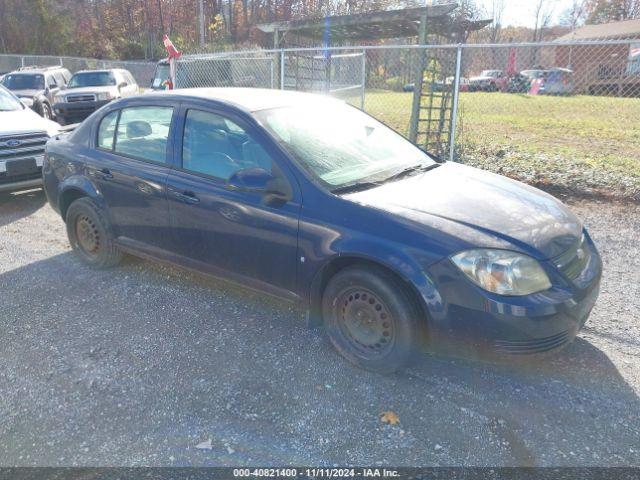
(603, 69)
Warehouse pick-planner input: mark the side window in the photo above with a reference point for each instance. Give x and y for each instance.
(216, 146)
(51, 82)
(143, 133)
(59, 78)
(107, 130)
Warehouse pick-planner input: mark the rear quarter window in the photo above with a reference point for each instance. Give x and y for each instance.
(107, 130)
(143, 133)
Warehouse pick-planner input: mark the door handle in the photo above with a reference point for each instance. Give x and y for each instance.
(106, 174)
(187, 197)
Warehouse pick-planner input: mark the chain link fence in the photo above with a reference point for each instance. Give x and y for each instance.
(519, 109)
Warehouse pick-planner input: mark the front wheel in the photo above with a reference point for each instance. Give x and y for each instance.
(370, 318)
(46, 111)
(90, 234)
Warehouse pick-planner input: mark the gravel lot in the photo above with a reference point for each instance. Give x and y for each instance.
(138, 365)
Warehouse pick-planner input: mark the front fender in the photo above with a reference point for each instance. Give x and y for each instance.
(408, 265)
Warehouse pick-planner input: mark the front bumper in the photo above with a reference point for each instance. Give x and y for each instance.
(486, 323)
(77, 111)
(22, 180)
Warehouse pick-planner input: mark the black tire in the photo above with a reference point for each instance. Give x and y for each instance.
(90, 234)
(46, 112)
(371, 319)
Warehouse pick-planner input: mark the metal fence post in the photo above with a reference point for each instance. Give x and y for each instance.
(282, 69)
(418, 81)
(364, 78)
(273, 73)
(454, 109)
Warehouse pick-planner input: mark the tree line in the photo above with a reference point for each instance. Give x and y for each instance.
(133, 29)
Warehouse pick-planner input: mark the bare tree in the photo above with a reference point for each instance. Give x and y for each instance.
(575, 14)
(542, 12)
(497, 13)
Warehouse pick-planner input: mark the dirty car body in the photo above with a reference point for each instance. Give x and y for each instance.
(444, 235)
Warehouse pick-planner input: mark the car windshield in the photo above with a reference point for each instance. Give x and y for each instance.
(489, 73)
(341, 145)
(162, 74)
(21, 81)
(8, 102)
(92, 79)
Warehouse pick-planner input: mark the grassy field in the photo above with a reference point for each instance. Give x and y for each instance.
(580, 143)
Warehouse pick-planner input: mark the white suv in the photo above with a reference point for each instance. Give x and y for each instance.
(89, 90)
(23, 135)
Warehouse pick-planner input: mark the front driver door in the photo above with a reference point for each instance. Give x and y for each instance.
(236, 233)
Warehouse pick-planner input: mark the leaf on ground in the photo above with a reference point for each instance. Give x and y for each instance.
(389, 417)
(206, 445)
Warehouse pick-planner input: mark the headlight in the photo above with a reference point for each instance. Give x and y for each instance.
(104, 96)
(502, 272)
(58, 99)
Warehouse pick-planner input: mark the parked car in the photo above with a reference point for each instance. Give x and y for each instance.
(519, 83)
(489, 81)
(23, 134)
(37, 86)
(161, 76)
(89, 90)
(535, 73)
(307, 198)
(447, 85)
(557, 81)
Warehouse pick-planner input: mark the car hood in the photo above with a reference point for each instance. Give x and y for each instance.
(481, 208)
(27, 93)
(86, 90)
(25, 121)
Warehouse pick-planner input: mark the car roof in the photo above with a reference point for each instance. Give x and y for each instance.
(251, 99)
(97, 71)
(36, 70)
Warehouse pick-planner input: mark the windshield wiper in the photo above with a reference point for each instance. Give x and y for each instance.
(359, 186)
(355, 187)
(406, 171)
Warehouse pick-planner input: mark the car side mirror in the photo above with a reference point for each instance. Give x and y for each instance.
(258, 180)
(122, 84)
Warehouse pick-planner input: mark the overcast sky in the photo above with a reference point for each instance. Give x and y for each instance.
(521, 12)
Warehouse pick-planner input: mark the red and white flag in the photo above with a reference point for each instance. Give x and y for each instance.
(171, 50)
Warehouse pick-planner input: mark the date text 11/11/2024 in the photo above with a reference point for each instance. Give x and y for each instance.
(315, 473)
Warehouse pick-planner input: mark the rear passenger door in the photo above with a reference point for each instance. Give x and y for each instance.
(131, 168)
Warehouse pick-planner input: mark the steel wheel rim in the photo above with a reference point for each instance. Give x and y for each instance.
(365, 322)
(87, 235)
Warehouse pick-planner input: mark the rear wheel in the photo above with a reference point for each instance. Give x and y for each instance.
(370, 319)
(90, 234)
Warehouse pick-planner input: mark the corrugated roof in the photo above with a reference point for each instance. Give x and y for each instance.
(624, 29)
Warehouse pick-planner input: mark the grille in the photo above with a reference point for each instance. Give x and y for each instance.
(574, 260)
(81, 98)
(538, 345)
(28, 145)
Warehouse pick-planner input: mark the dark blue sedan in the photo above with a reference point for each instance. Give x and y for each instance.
(309, 199)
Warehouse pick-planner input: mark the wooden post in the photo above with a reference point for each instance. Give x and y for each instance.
(417, 78)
